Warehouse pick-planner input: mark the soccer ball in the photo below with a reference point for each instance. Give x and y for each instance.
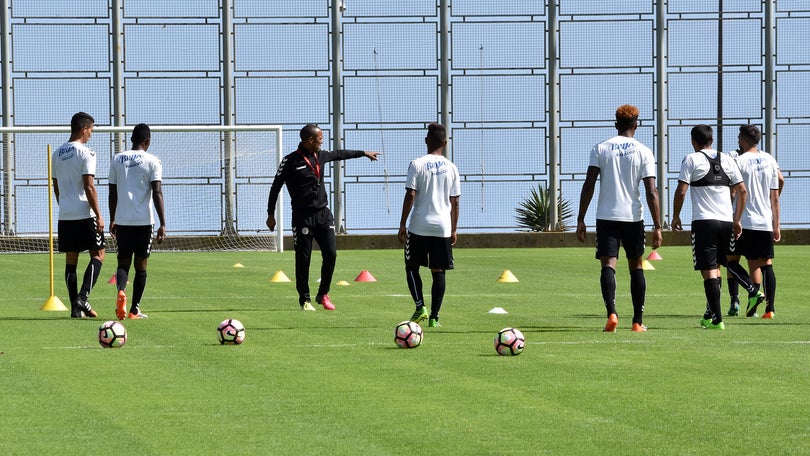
(112, 334)
(509, 341)
(231, 332)
(408, 334)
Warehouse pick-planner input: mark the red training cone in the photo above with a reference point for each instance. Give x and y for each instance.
(654, 256)
(112, 280)
(365, 276)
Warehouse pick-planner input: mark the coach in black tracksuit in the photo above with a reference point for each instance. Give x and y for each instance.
(303, 172)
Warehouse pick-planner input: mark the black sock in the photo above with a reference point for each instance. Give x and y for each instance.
(733, 289)
(90, 277)
(712, 289)
(415, 285)
(138, 285)
(607, 280)
(638, 291)
(71, 282)
(741, 275)
(769, 282)
(754, 292)
(121, 278)
(437, 293)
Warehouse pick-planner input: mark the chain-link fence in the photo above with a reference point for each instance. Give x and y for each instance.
(277, 67)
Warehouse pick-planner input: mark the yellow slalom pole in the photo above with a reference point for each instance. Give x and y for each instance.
(52, 303)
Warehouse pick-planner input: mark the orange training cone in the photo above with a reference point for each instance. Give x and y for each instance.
(654, 256)
(365, 276)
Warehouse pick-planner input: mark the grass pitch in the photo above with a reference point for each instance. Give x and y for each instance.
(334, 383)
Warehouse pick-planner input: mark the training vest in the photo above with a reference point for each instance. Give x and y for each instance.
(716, 175)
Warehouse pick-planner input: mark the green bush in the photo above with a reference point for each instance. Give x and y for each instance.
(534, 212)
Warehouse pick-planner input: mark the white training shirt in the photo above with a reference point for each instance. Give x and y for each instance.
(69, 163)
(711, 202)
(760, 172)
(435, 179)
(133, 172)
(623, 162)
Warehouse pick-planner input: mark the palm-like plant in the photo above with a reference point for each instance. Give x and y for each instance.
(534, 212)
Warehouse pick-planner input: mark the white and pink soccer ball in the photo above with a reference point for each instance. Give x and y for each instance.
(231, 332)
(509, 342)
(112, 334)
(408, 334)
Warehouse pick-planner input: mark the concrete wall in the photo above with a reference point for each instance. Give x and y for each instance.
(531, 240)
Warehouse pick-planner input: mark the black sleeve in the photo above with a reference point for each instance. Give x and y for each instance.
(278, 182)
(340, 154)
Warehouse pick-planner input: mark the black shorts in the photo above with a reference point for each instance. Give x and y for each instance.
(611, 234)
(430, 251)
(754, 245)
(711, 242)
(135, 240)
(79, 235)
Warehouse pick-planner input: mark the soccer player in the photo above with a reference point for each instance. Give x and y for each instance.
(715, 223)
(138, 175)
(623, 163)
(303, 173)
(81, 226)
(760, 220)
(432, 191)
(733, 286)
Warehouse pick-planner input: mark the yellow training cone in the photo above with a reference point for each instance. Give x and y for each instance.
(647, 266)
(54, 303)
(507, 277)
(238, 265)
(343, 283)
(279, 276)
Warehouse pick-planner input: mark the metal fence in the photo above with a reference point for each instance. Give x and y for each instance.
(525, 87)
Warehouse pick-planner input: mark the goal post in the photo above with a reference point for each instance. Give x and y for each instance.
(215, 184)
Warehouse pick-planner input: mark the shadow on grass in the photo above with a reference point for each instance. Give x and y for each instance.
(54, 318)
(225, 309)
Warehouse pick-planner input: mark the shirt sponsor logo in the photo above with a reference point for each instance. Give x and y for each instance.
(437, 168)
(66, 153)
(130, 161)
(623, 149)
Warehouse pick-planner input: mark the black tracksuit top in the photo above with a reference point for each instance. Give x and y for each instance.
(307, 193)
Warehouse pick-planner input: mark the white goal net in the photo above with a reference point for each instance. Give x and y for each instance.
(215, 184)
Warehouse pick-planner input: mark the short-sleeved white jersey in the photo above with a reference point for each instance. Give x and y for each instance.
(435, 179)
(760, 172)
(69, 163)
(623, 162)
(711, 202)
(133, 172)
